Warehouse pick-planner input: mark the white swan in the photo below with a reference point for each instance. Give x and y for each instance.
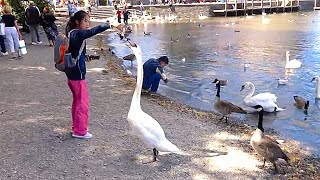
(142, 124)
(317, 79)
(292, 64)
(266, 100)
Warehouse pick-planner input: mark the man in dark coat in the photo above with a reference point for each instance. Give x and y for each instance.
(33, 16)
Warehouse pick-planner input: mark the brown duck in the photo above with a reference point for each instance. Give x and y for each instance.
(301, 103)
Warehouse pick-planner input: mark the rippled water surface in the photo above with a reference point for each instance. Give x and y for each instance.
(215, 50)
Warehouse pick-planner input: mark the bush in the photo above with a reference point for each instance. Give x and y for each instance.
(19, 7)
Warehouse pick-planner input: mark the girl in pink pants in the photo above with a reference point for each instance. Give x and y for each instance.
(79, 24)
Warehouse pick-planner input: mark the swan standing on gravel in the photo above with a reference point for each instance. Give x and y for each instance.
(142, 124)
(266, 100)
(292, 64)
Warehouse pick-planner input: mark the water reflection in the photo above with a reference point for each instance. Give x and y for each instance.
(257, 54)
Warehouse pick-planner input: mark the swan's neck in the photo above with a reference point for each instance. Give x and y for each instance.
(251, 92)
(135, 103)
(287, 58)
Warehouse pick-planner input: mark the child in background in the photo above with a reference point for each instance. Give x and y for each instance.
(119, 15)
(2, 33)
(78, 31)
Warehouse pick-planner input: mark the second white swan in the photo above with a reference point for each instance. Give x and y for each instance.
(266, 100)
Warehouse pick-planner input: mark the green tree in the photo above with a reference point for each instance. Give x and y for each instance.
(19, 7)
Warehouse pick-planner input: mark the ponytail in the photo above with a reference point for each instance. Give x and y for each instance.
(77, 17)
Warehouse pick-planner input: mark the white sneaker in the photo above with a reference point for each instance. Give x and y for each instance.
(39, 42)
(4, 54)
(86, 136)
(34, 43)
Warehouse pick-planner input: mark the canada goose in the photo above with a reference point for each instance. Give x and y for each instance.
(222, 82)
(188, 36)
(265, 146)
(142, 124)
(147, 33)
(291, 64)
(301, 103)
(225, 107)
(236, 31)
(130, 57)
(317, 79)
(266, 100)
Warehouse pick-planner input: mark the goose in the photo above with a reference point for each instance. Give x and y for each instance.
(225, 107)
(265, 146)
(291, 64)
(183, 59)
(188, 36)
(222, 82)
(147, 33)
(317, 79)
(142, 124)
(301, 103)
(266, 100)
(236, 31)
(130, 58)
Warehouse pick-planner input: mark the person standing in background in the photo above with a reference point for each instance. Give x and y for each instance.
(33, 16)
(125, 16)
(2, 36)
(12, 31)
(119, 15)
(50, 28)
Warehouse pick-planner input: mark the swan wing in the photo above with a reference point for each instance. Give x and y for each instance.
(293, 64)
(260, 99)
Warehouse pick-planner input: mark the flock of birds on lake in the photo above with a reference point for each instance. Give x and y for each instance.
(152, 134)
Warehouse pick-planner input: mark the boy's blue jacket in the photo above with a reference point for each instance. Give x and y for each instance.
(75, 41)
(150, 67)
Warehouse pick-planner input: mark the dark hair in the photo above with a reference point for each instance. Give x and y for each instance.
(164, 59)
(72, 24)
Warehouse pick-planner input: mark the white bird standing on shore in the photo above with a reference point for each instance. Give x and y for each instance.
(142, 124)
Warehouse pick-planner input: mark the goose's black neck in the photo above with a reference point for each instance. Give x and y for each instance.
(218, 91)
(260, 121)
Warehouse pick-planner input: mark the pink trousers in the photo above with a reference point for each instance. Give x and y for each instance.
(80, 106)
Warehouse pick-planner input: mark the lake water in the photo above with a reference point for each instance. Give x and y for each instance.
(219, 49)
